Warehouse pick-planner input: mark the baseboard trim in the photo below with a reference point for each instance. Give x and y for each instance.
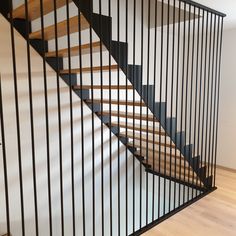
(226, 168)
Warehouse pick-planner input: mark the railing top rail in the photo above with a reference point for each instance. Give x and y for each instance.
(203, 7)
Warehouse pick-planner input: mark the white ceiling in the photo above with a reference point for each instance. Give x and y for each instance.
(226, 6)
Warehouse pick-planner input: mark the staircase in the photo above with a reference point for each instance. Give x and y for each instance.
(142, 140)
(168, 140)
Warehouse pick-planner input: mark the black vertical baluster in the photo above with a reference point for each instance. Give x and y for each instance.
(31, 118)
(46, 118)
(93, 130)
(171, 108)
(177, 92)
(148, 67)
(217, 112)
(196, 91)
(118, 100)
(215, 97)
(82, 127)
(18, 130)
(140, 133)
(211, 98)
(126, 124)
(204, 92)
(191, 99)
(200, 93)
(166, 101)
(160, 110)
(186, 100)
(134, 55)
(207, 158)
(71, 119)
(4, 155)
(58, 82)
(182, 96)
(110, 135)
(154, 111)
(102, 136)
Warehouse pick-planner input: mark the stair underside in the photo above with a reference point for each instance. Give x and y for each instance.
(133, 74)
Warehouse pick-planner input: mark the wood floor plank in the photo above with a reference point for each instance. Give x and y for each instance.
(213, 215)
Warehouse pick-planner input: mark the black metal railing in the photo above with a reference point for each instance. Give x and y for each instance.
(109, 113)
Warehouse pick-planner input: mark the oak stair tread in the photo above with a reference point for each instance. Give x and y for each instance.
(129, 115)
(49, 32)
(143, 137)
(88, 69)
(151, 151)
(74, 51)
(34, 9)
(107, 87)
(137, 127)
(116, 102)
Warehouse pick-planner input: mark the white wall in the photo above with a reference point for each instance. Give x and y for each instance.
(227, 118)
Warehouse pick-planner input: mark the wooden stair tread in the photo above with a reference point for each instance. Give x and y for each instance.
(137, 127)
(129, 115)
(74, 51)
(116, 102)
(34, 10)
(88, 69)
(170, 166)
(107, 87)
(143, 137)
(49, 32)
(150, 150)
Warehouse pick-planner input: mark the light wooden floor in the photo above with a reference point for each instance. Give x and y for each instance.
(214, 215)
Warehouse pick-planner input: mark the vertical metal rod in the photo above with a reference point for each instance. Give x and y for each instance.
(18, 130)
(134, 55)
(5, 168)
(102, 130)
(140, 133)
(58, 82)
(110, 135)
(186, 99)
(93, 128)
(71, 120)
(31, 118)
(207, 158)
(200, 93)
(147, 153)
(204, 91)
(191, 98)
(171, 109)
(160, 110)
(218, 94)
(118, 100)
(154, 111)
(126, 123)
(182, 94)
(82, 126)
(211, 98)
(177, 93)
(196, 90)
(166, 101)
(215, 97)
